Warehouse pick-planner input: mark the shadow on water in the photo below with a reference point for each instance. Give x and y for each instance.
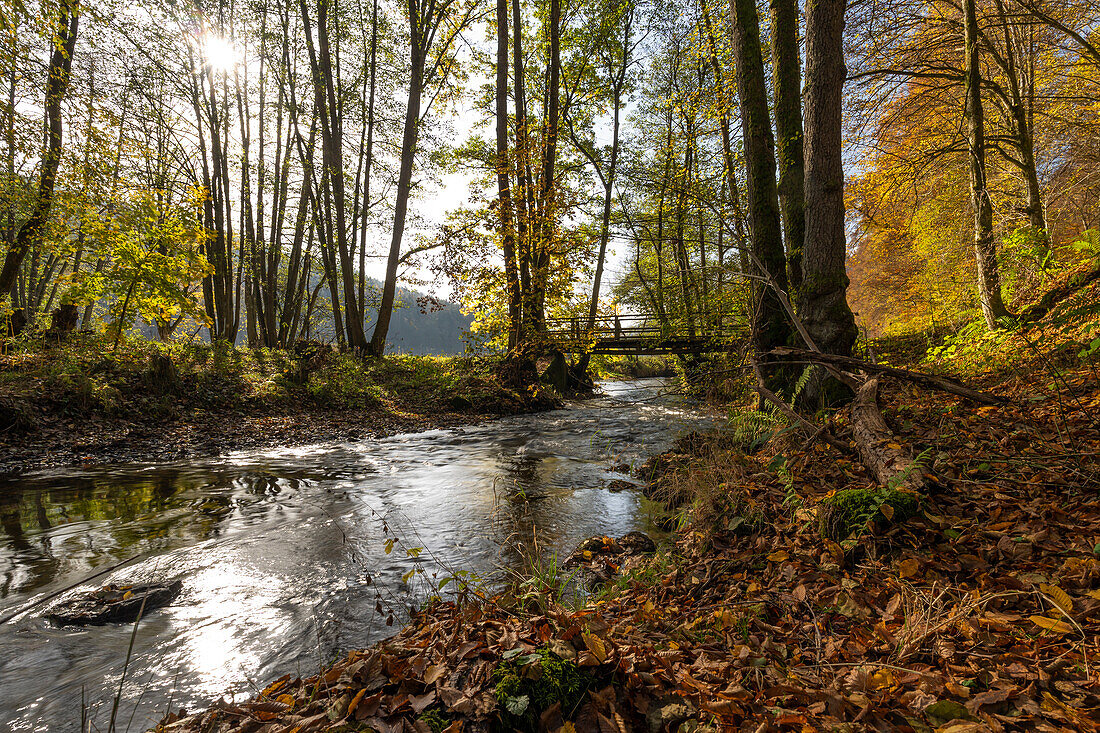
(283, 554)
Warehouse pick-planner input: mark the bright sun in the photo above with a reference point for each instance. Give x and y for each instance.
(220, 53)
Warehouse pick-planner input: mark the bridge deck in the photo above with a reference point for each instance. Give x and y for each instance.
(641, 335)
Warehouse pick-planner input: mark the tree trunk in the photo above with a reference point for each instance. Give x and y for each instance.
(822, 304)
(786, 63)
(404, 185)
(504, 193)
(985, 248)
(546, 204)
(770, 325)
(328, 107)
(57, 83)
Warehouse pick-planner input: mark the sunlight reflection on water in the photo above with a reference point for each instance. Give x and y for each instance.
(282, 552)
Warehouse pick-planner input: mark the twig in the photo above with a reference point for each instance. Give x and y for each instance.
(805, 424)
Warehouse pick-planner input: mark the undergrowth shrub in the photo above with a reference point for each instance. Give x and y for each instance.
(343, 383)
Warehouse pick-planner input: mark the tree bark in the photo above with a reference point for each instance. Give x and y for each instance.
(985, 248)
(417, 57)
(770, 325)
(57, 83)
(822, 303)
(504, 192)
(891, 466)
(786, 72)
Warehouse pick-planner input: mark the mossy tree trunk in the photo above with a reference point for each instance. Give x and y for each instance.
(770, 325)
(823, 306)
(786, 72)
(985, 247)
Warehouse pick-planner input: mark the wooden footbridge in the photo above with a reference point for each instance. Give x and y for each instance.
(641, 334)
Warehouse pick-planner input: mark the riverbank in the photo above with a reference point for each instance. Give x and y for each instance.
(81, 403)
(975, 608)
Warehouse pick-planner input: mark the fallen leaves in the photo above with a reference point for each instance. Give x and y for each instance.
(980, 614)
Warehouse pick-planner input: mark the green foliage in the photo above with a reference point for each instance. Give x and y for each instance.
(972, 347)
(752, 429)
(849, 510)
(155, 262)
(83, 374)
(527, 684)
(545, 583)
(1088, 244)
(648, 573)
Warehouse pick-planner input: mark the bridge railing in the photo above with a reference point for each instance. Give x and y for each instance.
(639, 327)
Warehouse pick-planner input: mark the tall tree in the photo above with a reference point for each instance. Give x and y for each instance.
(985, 247)
(786, 72)
(57, 82)
(823, 306)
(770, 325)
(504, 193)
(434, 26)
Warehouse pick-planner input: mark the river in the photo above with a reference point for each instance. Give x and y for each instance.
(283, 553)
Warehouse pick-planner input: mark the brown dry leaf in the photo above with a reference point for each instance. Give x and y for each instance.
(909, 567)
(778, 556)
(434, 672)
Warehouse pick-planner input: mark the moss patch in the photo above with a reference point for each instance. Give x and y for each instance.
(847, 511)
(527, 684)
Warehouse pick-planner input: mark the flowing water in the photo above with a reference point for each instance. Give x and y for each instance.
(283, 553)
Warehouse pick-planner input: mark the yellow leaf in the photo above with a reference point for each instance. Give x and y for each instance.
(1094, 594)
(887, 511)
(568, 728)
(895, 446)
(880, 679)
(778, 556)
(909, 567)
(596, 646)
(725, 618)
(1058, 627)
(1059, 596)
(286, 699)
(127, 595)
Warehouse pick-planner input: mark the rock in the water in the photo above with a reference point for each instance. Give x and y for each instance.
(556, 374)
(115, 604)
(595, 549)
(637, 543)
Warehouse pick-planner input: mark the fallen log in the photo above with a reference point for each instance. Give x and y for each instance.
(885, 458)
(945, 384)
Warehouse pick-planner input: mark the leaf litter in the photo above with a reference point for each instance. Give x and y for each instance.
(981, 613)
